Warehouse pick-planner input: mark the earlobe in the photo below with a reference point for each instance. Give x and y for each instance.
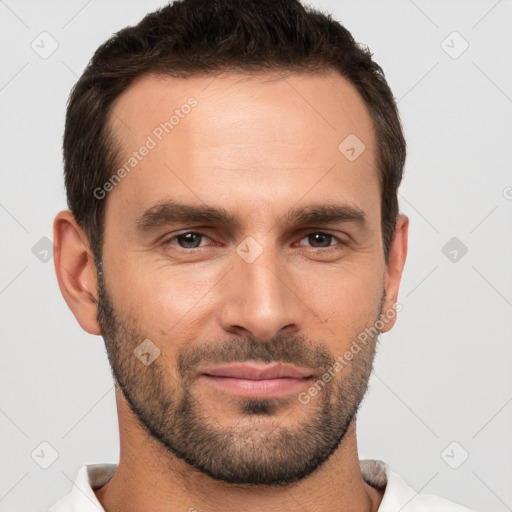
(394, 269)
(76, 273)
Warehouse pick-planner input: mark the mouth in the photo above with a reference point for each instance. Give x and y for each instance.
(249, 380)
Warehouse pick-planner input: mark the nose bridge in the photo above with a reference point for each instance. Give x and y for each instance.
(264, 282)
(260, 299)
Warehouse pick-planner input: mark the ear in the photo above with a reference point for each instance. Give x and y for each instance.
(394, 268)
(76, 273)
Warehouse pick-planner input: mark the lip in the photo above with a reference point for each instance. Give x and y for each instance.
(248, 380)
(254, 372)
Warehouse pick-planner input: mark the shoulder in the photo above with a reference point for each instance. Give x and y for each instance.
(81, 498)
(398, 495)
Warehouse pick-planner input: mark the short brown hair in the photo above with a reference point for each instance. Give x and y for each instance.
(201, 37)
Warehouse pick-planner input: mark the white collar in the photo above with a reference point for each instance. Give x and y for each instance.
(398, 495)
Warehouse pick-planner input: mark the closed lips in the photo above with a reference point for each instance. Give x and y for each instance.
(250, 372)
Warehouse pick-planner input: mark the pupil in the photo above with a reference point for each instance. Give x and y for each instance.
(323, 238)
(189, 239)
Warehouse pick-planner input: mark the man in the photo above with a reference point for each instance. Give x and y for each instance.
(211, 152)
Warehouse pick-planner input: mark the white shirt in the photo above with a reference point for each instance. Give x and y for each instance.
(398, 496)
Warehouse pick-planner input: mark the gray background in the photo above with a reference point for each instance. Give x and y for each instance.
(442, 374)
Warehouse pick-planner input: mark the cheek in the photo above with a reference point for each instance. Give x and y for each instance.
(166, 300)
(345, 302)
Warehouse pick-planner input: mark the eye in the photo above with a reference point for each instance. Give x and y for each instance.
(187, 240)
(320, 239)
(193, 240)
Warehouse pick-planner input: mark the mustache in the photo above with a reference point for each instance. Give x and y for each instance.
(294, 350)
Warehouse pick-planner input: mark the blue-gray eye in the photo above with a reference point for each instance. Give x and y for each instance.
(190, 240)
(323, 239)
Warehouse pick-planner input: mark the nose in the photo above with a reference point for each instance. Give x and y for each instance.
(260, 299)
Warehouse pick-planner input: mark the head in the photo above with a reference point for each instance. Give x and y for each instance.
(232, 170)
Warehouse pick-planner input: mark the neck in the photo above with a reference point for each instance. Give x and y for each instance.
(148, 477)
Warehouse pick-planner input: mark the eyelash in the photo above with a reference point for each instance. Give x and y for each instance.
(167, 242)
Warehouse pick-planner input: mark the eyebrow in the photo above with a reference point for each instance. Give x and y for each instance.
(169, 212)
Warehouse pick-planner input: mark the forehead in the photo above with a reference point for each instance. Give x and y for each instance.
(324, 101)
(265, 135)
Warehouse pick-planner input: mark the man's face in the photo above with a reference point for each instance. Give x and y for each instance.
(261, 285)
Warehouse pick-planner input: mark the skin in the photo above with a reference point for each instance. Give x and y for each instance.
(256, 146)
